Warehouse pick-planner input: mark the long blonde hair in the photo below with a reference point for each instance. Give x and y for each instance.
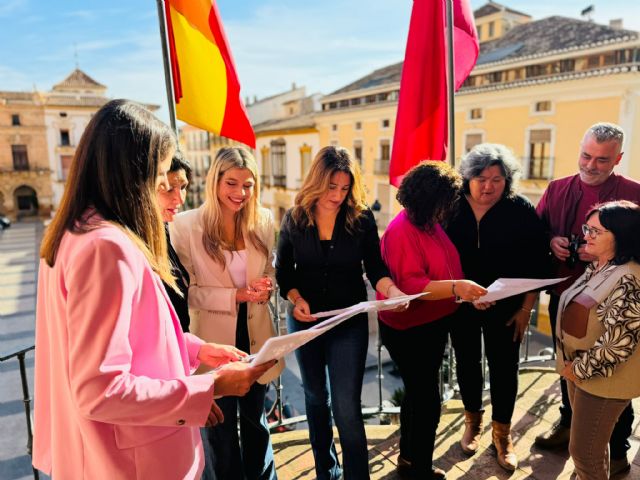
(247, 220)
(328, 161)
(114, 171)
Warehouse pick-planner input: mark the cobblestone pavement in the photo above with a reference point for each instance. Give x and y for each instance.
(536, 411)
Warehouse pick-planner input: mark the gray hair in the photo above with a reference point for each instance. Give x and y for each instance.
(606, 132)
(487, 155)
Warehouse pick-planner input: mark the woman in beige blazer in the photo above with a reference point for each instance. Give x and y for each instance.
(226, 245)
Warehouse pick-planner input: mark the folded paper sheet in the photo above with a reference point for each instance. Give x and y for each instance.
(508, 287)
(278, 347)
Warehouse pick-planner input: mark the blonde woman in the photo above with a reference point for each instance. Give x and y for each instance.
(324, 241)
(226, 246)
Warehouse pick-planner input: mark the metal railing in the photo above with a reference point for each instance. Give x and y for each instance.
(381, 165)
(26, 397)
(447, 381)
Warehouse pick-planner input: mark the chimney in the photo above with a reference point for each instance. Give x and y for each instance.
(293, 85)
(616, 23)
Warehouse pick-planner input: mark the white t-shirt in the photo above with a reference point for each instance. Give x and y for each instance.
(237, 265)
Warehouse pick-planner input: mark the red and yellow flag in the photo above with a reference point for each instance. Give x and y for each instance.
(207, 90)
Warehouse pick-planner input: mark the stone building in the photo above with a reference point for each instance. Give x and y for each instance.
(39, 133)
(25, 175)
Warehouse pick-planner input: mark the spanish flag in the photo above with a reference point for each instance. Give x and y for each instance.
(206, 87)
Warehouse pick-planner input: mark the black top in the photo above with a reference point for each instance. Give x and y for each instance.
(509, 241)
(180, 304)
(332, 280)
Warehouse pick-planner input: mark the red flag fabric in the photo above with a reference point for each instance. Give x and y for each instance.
(206, 86)
(421, 123)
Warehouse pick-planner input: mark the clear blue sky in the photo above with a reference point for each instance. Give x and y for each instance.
(320, 44)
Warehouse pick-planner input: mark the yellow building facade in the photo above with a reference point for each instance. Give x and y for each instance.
(537, 86)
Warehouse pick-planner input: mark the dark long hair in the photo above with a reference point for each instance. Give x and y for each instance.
(114, 171)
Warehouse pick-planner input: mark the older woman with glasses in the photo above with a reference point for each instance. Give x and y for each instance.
(598, 330)
(497, 234)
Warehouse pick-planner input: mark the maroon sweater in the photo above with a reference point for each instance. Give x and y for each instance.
(558, 206)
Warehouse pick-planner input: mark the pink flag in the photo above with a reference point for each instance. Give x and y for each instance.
(421, 123)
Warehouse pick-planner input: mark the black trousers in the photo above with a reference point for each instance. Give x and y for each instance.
(418, 354)
(468, 327)
(619, 441)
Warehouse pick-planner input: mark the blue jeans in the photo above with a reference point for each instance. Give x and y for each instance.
(334, 362)
(250, 456)
(225, 459)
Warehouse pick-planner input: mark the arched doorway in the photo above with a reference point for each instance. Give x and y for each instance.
(26, 201)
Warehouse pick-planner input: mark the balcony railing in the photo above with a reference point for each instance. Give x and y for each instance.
(447, 381)
(29, 169)
(540, 168)
(279, 180)
(381, 166)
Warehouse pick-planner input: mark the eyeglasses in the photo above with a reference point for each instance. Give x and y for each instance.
(593, 232)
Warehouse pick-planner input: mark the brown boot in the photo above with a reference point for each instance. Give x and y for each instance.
(472, 431)
(504, 446)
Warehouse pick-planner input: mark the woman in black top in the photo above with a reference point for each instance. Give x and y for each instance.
(324, 241)
(170, 201)
(497, 234)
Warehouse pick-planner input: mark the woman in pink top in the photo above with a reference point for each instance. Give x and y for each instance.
(421, 258)
(114, 394)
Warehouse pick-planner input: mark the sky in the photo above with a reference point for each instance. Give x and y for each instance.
(322, 45)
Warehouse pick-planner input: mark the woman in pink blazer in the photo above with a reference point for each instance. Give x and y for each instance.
(114, 394)
(226, 247)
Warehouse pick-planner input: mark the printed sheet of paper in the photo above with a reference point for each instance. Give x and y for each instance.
(373, 305)
(508, 287)
(278, 347)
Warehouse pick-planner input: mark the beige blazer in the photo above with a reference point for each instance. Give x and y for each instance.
(212, 294)
(623, 383)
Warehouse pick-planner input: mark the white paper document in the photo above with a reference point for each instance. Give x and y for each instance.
(373, 305)
(508, 287)
(278, 347)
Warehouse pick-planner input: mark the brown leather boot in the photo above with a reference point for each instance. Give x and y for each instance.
(472, 431)
(504, 446)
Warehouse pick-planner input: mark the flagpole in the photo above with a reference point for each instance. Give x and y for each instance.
(167, 66)
(450, 83)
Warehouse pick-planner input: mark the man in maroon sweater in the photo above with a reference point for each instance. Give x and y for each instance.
(563, 208)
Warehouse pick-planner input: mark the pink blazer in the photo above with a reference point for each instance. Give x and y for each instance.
(114, 398)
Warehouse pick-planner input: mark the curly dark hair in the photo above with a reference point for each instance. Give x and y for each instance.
(428, 193)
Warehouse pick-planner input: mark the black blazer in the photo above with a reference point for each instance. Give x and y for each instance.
(180, 304)
(335, 279)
